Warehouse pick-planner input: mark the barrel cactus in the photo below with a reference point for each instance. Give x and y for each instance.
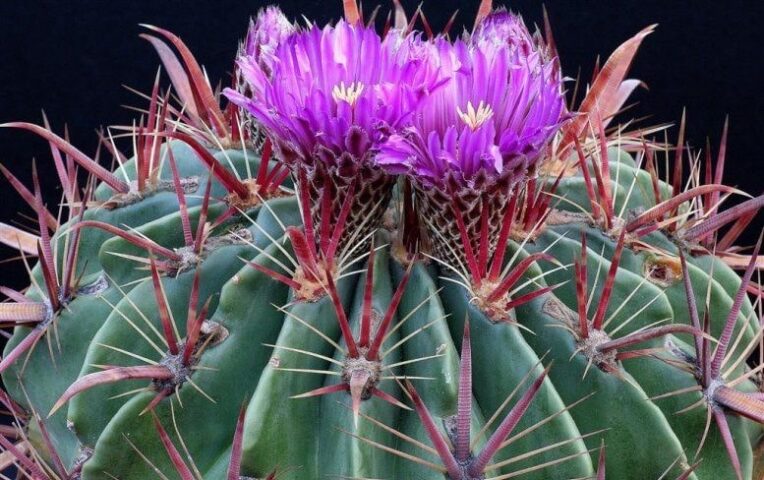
(392, 254)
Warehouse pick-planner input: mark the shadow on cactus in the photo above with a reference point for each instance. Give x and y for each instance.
(355, 261)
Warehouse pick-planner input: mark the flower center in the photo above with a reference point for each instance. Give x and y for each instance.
(349, 93)
(475, 118)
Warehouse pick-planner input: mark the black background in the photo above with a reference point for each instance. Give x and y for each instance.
(72, 57)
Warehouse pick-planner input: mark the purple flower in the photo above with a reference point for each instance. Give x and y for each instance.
(502, 28)
(334, 93)
(500, 107)
(331, 97)
(266, 31)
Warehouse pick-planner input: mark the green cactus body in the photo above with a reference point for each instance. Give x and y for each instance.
(294, 432)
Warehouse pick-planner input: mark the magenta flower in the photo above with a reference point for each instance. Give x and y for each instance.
(334, 92)
(266, 31)
(502, 28)
(496, 114)
(332, 96)
(478, 136)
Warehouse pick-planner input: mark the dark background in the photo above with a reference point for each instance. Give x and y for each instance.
(71, 58)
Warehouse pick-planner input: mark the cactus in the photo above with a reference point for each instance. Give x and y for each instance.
(390, 255)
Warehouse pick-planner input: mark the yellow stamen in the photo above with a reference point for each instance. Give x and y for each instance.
(349, 94)
(475, 118)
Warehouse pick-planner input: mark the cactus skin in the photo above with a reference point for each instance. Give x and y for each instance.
(267, 333)
(280, 433)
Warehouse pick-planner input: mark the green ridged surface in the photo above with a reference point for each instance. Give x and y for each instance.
(310, 437)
